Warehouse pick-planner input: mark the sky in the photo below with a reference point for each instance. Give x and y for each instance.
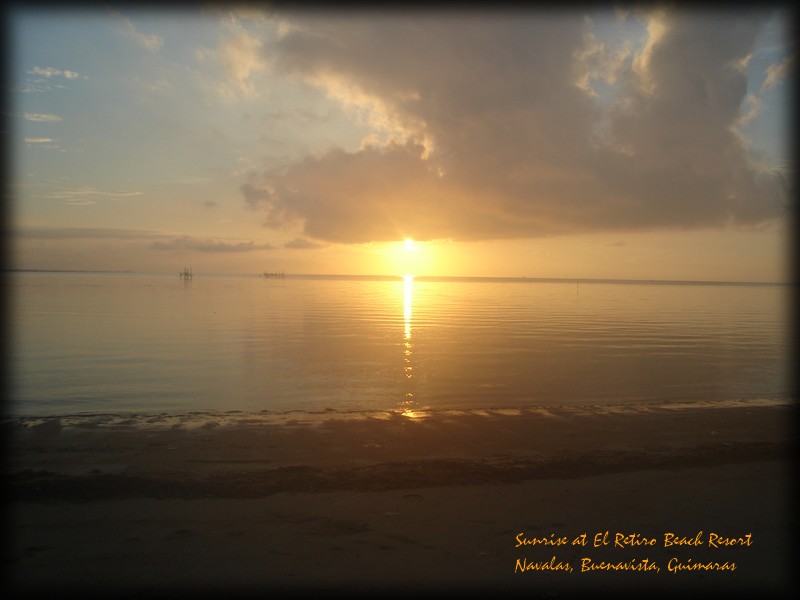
(637, 143)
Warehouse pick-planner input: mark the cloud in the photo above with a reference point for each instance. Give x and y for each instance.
(158, 240)
(302, 244)
(486, 127)
(39, 140)
(70, 233)
(88, 195)
(206, 245)
(151, 42)
(751, 107)
(41, 117)
(45, 79)
(241, 57)
(597, 61)
(777, 73)
(48, 72)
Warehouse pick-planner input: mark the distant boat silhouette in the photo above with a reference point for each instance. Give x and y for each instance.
(274, 274)
(186, 273)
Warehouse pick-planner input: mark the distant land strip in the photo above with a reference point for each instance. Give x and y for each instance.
(444, 278)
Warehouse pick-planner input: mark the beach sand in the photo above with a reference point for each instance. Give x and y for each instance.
(438, 501)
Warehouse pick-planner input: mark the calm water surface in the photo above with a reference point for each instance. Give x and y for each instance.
(111, 343)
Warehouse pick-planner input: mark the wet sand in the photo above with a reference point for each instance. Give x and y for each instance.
(441, 501)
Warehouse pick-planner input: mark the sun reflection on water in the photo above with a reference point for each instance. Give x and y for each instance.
(408, 290)
(408, 403)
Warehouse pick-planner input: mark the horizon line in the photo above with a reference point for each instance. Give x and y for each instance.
(506, 278)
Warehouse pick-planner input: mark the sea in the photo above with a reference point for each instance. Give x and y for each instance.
(158, 344)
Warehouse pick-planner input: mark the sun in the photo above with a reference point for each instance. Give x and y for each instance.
(405, 256)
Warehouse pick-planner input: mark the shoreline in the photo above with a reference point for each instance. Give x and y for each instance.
(191, 419)
(429, 503)
(643, 434)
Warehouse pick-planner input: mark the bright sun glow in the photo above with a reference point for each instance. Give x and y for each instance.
(406, 256)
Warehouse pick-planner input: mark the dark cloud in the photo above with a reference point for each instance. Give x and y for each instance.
(497, 140)
(302, 244)
(254, 196)
(202, 245)
(70, 233)
(157, 240)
